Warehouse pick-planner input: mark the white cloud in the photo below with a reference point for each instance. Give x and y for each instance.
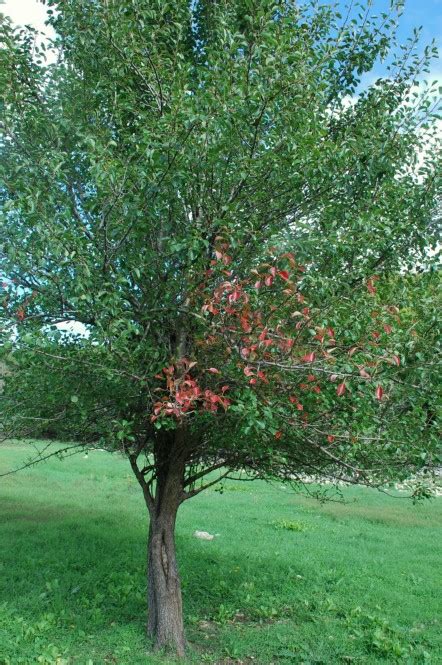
(73, 328)
(33, 13)
(27, 12)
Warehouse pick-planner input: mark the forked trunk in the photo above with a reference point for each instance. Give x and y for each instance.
(165, 622)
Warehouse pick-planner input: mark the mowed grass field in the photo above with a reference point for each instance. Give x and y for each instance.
(287, 580)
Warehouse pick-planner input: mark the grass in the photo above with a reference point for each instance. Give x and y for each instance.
(287, 580)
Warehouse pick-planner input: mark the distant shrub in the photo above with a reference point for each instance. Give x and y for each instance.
(290, 525)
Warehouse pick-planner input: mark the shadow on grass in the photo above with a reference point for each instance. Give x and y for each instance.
(86, 566)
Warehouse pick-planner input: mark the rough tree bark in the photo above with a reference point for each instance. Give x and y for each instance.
(165, 616)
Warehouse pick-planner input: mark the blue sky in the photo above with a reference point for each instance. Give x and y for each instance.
(428, 14)
(424, 14)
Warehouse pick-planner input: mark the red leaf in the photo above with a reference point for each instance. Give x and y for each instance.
(284, 275)
(290, 257)
(308, 358)
(224, 388)
(257, 285)
(219, 255)
(245, 324)
(273, 271)
(379, 392)
(252, 381)
(278, 434)
(370, 284)
(268, 280)
(370, 287)
(340, 390)
(235, 295)
(210, 307)
(396, 360)
(248, 371)
(387, 328)
(364, 374)
(213, 370)
(330, 438)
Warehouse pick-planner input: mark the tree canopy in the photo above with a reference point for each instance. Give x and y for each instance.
(210, 192)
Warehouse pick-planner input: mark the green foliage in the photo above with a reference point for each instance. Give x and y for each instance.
(192, 129)
(231, 225)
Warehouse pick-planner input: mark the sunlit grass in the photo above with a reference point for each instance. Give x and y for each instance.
(287, 580)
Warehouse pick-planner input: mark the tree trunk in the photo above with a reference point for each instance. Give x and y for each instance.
(165, 612)
(165, 618)
(165, 622)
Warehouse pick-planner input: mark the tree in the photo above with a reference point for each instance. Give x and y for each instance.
(205, 189)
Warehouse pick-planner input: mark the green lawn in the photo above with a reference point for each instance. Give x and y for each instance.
(286, 581)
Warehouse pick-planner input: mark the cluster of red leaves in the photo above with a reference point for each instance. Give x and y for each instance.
(221, 252)
(183, 394)
(258, 331)
(248, 329)
(230, 302)
(264, 320)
